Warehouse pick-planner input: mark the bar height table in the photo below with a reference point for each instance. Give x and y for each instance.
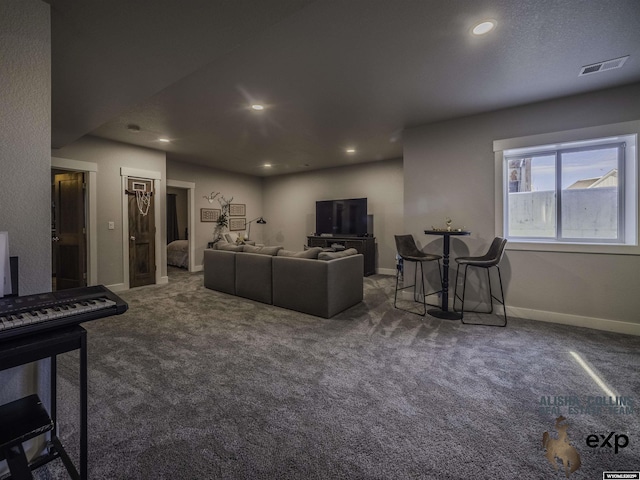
(444, 311)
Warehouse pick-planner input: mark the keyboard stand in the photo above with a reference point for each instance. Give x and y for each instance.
(49, 344)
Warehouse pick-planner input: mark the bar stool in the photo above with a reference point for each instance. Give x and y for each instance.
(490, 259)
(20, 421)
(408, 251)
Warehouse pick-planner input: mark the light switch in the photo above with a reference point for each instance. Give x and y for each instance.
(112, 225)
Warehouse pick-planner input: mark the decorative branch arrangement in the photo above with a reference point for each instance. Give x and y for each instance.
(211, 197)
(223, 219)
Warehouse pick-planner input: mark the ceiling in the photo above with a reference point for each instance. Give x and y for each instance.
(332, 74)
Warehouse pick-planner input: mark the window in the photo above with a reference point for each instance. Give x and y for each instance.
(574, 192)
(566, 194)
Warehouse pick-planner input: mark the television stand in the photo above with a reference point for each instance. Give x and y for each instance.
(364, 245)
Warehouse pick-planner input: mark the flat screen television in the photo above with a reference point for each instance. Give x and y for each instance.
(346, 217)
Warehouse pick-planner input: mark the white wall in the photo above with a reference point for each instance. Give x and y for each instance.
(243, 188)
(25, 141)
(110, 158)
(291, 203)
(449, 171)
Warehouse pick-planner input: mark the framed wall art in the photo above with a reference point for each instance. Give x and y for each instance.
(209, 214)
(236, 224)
(237, 210)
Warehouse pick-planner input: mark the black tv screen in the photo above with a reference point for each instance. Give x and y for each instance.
(342, 217)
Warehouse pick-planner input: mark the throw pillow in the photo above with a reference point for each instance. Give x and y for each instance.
(308, 253)
(333, 255)
(262, 250)
(232, 247)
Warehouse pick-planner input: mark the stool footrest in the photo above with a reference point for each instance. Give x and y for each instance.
(21, 420)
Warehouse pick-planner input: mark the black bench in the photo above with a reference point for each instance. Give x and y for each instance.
(20, 421)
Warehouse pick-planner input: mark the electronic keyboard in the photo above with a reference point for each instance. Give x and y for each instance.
(32, 314)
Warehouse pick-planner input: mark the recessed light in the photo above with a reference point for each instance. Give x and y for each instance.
(164, 140)
(267, 165)
(257, 106)
(484, 27)
(351, 150)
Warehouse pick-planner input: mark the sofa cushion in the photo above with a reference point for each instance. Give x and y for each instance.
(231, 247)
(309, 253)
(262, 250)
(332, 255)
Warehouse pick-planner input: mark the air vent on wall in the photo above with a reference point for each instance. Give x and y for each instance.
(603, 66)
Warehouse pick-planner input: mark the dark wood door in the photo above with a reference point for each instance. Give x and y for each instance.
(142, 230)
(69, 233)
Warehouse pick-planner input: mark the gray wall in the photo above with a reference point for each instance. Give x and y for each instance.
(25, 167)
(25, 139)
(290, 202)
(110, 157)
(449, 171)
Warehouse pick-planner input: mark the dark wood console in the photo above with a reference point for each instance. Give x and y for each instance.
(364, 245)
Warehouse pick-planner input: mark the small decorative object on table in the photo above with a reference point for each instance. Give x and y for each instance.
(448, 222)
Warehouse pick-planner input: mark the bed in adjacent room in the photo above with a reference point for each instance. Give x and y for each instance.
(178, 253)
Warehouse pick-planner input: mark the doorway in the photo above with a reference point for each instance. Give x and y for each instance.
(188, 190)
(177, 227)
(68, 230)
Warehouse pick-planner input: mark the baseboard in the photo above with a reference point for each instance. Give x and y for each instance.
(121, 287)
(386, 271)
(117, 287)
(198, 268)
(605, 324)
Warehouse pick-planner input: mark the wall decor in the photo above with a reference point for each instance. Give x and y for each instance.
(209, 214)
(237, 210)
(236, 224)
(211, 197)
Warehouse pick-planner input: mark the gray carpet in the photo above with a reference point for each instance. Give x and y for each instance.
(192, 383)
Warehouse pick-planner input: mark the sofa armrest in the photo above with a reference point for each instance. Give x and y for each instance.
(318, 287)
(253, 276)
(220, 270)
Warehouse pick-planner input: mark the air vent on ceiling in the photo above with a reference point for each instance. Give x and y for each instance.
(603, 66)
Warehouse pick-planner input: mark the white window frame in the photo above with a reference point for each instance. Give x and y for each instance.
(629, 246)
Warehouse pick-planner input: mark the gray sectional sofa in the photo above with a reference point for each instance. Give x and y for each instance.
(311, 281)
